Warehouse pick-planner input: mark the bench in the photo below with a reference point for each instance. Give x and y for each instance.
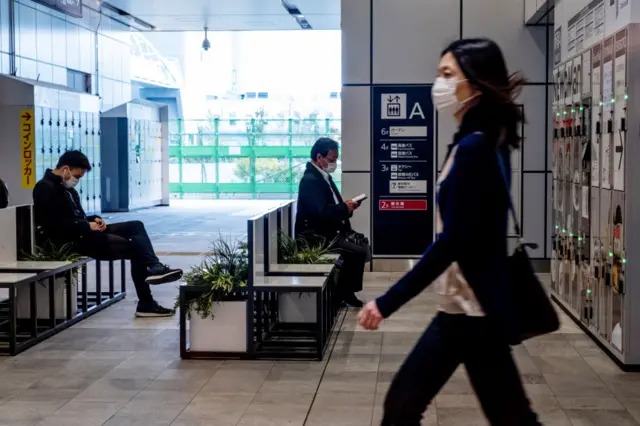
(272, 329)
(42, 298)
(281, 220)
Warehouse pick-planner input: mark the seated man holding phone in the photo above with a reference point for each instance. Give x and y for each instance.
(322, 213)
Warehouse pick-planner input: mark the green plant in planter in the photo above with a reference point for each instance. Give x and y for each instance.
(49, 252)
(222, 274)
(52, 253)
(300, 250)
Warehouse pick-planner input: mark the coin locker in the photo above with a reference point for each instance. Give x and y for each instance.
(593, 206)
(135, 141)
(48, 114)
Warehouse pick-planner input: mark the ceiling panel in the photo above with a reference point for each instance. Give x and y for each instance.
(229, 15)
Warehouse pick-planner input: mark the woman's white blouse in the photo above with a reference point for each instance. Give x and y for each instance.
(455, 296)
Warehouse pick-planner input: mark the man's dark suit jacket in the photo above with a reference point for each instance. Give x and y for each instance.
(318, 214)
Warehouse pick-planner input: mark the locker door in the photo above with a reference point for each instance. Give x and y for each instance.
(98, 159)
(51, 138)
(39, 143)
(618, 268)
(555, 240)
(131, 148)
(67, 145)
(55, 142)
(606, 263)
(90, 154)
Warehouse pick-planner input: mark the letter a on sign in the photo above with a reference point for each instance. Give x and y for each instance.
(417, 110)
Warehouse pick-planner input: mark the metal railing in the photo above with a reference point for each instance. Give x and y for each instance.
(252, 158)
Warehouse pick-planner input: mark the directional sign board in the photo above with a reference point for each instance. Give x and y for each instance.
(27, 149)
(402, 170)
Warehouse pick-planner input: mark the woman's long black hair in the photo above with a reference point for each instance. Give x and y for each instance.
(496, 113)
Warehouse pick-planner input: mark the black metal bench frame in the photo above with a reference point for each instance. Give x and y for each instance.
(18, 335)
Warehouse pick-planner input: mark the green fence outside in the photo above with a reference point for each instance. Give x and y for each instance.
(252, 158)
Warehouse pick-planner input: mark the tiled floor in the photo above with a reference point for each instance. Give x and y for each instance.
(115, 370)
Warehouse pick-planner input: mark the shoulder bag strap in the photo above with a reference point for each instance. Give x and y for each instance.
(503, 171)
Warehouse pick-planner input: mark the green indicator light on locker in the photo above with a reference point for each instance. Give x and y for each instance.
(613, 101)
(626, 96)
(571, 235)
(589, 291)
(581, 108)
(557, 114)
(557, 227)
(610, 254)
(573, 110)
(564, 230)
(624, 260)
(601, 103)
(579, 238)
(565, 113)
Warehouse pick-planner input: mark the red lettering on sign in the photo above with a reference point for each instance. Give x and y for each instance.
(404, 205)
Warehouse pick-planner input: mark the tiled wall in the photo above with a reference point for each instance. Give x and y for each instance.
(48, 43)
(400, 42)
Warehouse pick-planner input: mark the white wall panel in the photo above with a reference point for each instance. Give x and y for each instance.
(59, 28)
(60, 75)
(4, 25)
(533, 99)
(45, 72)
(356, 128)
(355, 184)
(356, 46)
(44, 37)
(550, 130)
(5, 63)
(523, 47)
(26, 31)
(87, 46)
(408, 36)
(28, 68)
(73, 47)
(534, 211)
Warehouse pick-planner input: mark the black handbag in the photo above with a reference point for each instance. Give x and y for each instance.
(535, 313)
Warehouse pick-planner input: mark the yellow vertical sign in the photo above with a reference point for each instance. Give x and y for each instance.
(27, 148)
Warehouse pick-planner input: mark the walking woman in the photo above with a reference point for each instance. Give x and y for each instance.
(467, 262)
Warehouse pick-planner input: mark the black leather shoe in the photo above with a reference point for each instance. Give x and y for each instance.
(351, 301)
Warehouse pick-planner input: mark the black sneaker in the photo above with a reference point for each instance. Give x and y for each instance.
(162, 274)
(152, 310)
(351, 301)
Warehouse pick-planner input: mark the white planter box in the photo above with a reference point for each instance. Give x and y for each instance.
(23, 298)
(297, 307)
(226, 332)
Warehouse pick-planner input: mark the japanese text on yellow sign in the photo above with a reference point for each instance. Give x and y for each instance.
(27, 149)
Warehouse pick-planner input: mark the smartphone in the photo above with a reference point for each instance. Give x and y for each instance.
(360, 198)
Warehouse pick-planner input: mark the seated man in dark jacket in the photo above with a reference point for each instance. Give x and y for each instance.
(61, 220)
(323, 213)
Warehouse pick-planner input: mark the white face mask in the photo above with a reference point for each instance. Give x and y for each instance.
(444, 96)
(331, 167)
(72, 182)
